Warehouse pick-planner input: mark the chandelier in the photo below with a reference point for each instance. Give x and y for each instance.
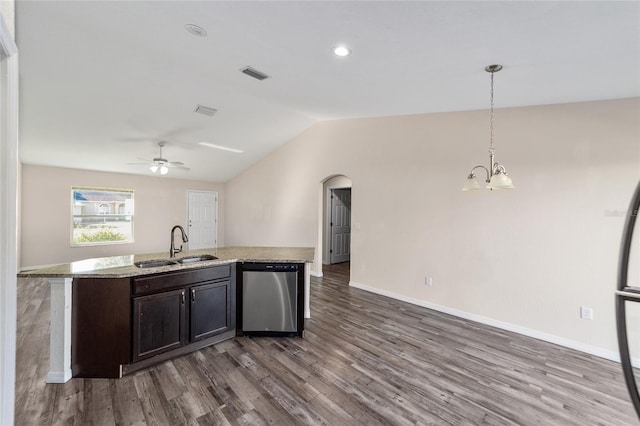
(497, 177)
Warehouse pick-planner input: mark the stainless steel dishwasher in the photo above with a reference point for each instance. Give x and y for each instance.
(270, 299)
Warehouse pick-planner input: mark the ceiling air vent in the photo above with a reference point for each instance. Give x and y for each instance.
(252, 72)
(201, 109)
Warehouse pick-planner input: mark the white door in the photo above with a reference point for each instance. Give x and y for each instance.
(203, 219)
(340, 225)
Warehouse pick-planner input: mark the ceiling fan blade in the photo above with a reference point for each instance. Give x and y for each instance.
(179, 131)
(221, 147)
(174, 164)
(180, 167)
(134, 139)
(148, 163)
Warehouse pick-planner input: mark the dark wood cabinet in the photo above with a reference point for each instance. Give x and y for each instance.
(168, 320)
(210, 310)
(178, 312)
(100, 326)
(158, 323)
(125, 324)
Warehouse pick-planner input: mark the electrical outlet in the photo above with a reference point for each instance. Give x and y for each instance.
(428, 281)
(586, 313)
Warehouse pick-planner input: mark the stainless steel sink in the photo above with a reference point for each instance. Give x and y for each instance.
(155, 263)
(200, 258)
(168, 262)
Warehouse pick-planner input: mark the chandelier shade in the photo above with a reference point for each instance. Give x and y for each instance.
(500, 180)
(472, 182)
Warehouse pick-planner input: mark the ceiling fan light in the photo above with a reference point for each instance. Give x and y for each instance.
(153, 168)
(164, 170)
(471, 182)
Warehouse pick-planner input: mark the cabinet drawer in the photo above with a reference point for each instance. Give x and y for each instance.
(171, 280)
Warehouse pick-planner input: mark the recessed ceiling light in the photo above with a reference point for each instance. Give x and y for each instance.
(223, 148)
(342, 51)
(196, 30)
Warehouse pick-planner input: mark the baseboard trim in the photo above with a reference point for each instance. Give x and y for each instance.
(59, 376)
(568, 343)
(316, 274)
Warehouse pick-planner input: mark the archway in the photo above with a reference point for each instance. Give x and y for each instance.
(340, 187)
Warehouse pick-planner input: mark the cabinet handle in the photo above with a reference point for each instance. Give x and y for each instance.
(182, 294)
(193, 295)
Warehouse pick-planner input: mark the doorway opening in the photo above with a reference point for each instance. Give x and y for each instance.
(339, 218)
(336, 224)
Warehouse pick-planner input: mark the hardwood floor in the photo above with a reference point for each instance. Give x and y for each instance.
(338, 271)
(365, 359)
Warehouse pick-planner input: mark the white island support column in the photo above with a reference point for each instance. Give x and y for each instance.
(60, 331)
(307, 289)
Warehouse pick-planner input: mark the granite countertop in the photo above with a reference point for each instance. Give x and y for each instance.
(123, 266)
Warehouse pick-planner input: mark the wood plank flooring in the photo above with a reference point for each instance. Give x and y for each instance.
(365, 359)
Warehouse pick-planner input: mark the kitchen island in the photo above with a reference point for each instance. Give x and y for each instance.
(116, 290)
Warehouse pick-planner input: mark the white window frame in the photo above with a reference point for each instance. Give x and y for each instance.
(117, 209)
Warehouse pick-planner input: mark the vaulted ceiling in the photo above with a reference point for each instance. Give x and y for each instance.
(103, 81)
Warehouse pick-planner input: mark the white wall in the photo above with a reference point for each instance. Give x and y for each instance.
(160, 203)
(8, 11)
(528, 257)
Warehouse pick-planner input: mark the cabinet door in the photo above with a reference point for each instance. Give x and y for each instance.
(159, 323)
(210, 309)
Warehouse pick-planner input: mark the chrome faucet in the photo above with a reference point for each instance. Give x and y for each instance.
(173, 250)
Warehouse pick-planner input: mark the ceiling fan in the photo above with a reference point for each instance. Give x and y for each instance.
(162, 164)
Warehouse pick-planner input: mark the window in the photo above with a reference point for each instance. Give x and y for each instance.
(101, 216)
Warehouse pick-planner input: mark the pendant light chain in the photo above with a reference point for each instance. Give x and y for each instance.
(491, 147)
